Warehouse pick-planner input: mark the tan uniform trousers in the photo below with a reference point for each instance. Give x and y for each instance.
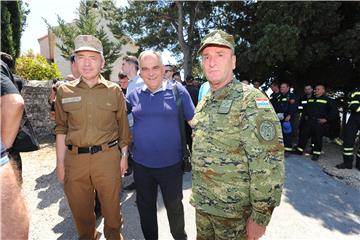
(83, 174)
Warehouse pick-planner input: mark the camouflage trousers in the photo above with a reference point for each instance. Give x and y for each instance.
(211, 227)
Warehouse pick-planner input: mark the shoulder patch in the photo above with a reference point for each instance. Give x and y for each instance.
(262, 103)
(267, 130)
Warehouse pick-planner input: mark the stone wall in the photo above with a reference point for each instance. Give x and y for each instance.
(35, 94)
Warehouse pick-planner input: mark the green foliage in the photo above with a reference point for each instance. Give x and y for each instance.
(36, 68)
(303, 42)
(173, 25)
(89, 22)
(13, 23)
(7, 43)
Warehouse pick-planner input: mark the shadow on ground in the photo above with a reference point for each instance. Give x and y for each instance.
(314, 194)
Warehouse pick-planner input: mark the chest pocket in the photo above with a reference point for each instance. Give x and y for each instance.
(74, 113)
(106, 115)
(225, 130)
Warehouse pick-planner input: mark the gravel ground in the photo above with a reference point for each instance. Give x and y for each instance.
(50, 217)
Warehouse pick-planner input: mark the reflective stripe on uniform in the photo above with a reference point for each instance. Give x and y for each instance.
(321, 101)
(303, 102)
(347, 153)
(358, 155)
(300, 107)
(354, 94)
(300, 149)
(358, 110)
(284, 99)
(311, 100)
(288, 149)
(354, 102)
(316, 152)
(348, 149)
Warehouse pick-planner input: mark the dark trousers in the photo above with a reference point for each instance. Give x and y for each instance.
(188, 131)
(170, 181)
(351, 129)
(315, 130)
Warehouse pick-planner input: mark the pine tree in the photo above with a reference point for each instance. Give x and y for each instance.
(13, 22)
(90, 21)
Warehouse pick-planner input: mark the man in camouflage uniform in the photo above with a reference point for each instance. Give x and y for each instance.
(238, 151)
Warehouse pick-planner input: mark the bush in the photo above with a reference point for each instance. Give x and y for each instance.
(36, 68)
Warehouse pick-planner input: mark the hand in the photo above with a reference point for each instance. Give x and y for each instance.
(60, 173)
(322, 120)
(123, 165)
(52, 116)
(253, 230)
(287, 118)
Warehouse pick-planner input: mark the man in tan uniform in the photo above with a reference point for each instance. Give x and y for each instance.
(91, 127)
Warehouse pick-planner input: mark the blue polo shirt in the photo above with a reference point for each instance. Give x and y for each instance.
(156, 131)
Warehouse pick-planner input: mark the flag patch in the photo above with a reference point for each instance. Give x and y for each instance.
(262, 103)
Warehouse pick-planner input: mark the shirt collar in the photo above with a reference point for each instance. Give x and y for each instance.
(161, 88)
(102, 80)
(134, 78)
(223, 92)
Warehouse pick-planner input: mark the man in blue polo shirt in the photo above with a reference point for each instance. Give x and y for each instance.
(157, 146)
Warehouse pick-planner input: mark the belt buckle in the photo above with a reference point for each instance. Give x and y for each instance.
(95, 149)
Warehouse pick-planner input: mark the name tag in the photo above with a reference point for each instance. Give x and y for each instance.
(71, 100)
(225, 106)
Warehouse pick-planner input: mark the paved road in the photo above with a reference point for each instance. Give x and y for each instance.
(314, 205)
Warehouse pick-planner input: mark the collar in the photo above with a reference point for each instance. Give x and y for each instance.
(134, 78)
(102, 80)
(161, 88)
(224, 91)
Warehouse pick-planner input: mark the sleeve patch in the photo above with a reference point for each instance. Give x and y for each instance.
(262, 103)
(267, 130)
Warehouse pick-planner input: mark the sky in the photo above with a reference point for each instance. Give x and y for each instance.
(49, 9)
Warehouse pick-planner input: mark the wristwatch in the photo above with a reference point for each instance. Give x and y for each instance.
(124, 154)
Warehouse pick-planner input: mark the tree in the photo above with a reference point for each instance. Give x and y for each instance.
(303, 42)
(13, 23)
(91, 22)
(173, 25)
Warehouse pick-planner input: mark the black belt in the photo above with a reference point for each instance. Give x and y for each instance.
(94, 149)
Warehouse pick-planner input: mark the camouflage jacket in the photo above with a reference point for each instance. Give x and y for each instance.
(238, 154)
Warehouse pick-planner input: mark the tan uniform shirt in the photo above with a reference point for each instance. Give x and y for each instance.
(91, 116)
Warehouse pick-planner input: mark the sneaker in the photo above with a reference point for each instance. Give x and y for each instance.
(344, 166)
(315, 158)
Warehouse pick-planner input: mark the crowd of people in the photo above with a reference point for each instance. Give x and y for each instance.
(238, 137)
(313, 116)
(105, 131)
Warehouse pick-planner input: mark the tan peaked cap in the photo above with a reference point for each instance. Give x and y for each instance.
(218, 37)
(87, 43)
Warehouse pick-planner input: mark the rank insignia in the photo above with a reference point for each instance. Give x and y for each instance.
(225, 106)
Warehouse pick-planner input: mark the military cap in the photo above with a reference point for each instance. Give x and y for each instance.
(218, 37)
(87, 43)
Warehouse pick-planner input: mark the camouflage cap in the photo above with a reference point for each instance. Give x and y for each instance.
(217, 37)
(87, 43)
